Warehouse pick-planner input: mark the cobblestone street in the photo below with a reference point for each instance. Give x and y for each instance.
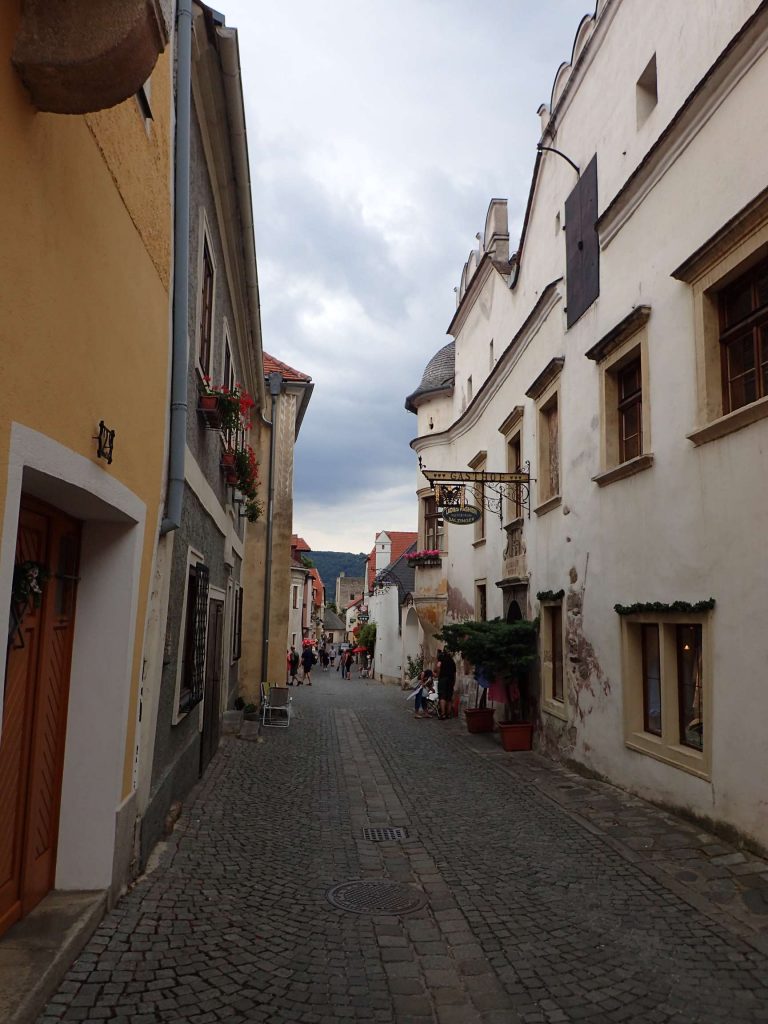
(549, 898)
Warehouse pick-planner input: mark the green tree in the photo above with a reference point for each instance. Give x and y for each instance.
(506, 650)
(367, 637)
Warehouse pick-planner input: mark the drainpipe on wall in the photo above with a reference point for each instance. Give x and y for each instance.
(275, 387)
(177, 442)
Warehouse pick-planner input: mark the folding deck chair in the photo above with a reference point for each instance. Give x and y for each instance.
(275, 706)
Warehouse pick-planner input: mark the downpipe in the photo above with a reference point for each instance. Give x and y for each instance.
(177, 440)
(275, 388)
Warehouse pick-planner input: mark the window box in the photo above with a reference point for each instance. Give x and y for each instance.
(426, 561)
(208, 407)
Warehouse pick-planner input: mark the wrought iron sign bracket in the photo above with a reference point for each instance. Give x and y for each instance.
(487, 488)
(106, 439)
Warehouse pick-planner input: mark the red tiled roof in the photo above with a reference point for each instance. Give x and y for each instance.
(271, 364)
(299, 543)
(401, 541)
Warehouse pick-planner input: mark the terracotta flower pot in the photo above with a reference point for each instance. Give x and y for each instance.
(516, 735)
(479, 719)
(208, 407)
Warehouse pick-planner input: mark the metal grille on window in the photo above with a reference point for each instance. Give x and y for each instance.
(237, 630)
(201, 622)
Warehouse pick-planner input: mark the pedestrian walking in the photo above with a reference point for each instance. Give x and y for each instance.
(349, 660)
(308, 659)
(333, 655)
(293, 666)
(446, 680)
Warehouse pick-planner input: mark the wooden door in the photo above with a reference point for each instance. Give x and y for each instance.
(35, 714)
(209, 742)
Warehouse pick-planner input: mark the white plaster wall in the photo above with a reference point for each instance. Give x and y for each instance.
(384, 610)
(694, 525)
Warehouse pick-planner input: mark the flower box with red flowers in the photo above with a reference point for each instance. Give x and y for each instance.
(225, 407)
(424, 559)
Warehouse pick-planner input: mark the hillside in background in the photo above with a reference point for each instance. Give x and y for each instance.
(330, 563)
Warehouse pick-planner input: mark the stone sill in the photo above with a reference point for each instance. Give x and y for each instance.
(555, 708)
(731, 422)
(625, 469)
(548, 505)
(479, 542)
(685, 758)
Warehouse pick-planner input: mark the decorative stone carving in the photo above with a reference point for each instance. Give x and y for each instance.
(77, 56)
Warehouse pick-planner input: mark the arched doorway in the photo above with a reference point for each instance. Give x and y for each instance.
(514, 612)
(410, 637)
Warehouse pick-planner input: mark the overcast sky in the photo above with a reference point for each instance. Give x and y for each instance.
(378, 133)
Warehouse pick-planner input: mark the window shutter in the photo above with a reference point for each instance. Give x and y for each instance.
(237, 641)
(582, 247)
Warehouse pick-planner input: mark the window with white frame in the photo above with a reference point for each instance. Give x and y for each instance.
(667, 685)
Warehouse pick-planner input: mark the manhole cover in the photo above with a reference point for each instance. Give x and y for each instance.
(382, 835)
(376, 896)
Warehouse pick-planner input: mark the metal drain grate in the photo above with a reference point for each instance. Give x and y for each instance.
(382, 835)
(376, 896)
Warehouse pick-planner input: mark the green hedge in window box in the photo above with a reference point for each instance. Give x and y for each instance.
(661, 606)
(550, 595)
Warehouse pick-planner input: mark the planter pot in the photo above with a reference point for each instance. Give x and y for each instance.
(479, 719)
(516, 735)
(208, 407)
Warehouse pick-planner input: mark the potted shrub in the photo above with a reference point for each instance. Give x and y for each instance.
(502, 651)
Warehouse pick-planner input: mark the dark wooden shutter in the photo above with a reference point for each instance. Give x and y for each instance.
(237, 626)
(582, 247)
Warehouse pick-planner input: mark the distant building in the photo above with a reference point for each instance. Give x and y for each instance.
(348, 589)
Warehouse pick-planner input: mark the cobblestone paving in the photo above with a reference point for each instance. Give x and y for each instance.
(535, 913)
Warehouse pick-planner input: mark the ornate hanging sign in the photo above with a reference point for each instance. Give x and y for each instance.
(463, 516)
(487, 490)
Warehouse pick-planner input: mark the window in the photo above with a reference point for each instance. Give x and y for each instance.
(651, 679)
(630, 410)
(727, 275)
(206, 310)
(667, 685)
(433, 525)
(514, 465)
(481, 602)
(582, 248)
(545, 391)
(478, 463)
(295, 597)
(237, 625)
(195, 626)
(549, 454)
(551, 656)
(622, 358)
(744, 338)
(646, 92)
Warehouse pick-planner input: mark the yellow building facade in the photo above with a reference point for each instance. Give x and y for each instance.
(85, 261)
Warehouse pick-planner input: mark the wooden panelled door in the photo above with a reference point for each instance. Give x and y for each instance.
(35, 713)
(209, 741)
